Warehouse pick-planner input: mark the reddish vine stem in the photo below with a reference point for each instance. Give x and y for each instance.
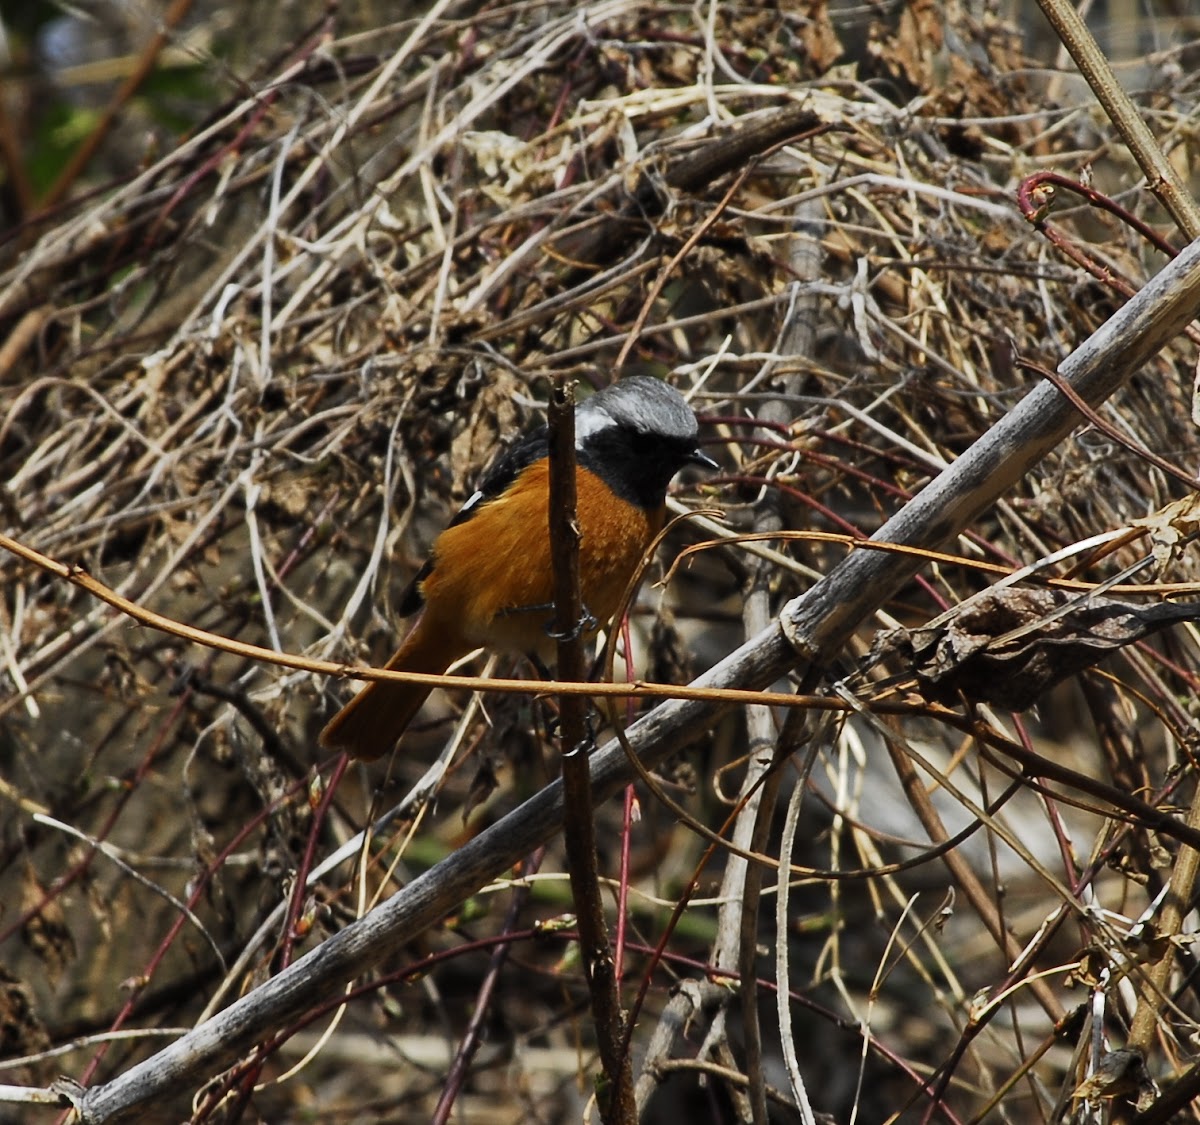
(1034, 196)
(473, 1036)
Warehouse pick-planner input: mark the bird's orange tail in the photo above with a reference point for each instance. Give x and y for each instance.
(372, 722)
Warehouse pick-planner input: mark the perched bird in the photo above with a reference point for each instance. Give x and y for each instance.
(488, 581)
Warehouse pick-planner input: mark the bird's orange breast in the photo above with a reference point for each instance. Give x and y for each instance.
(492, 578)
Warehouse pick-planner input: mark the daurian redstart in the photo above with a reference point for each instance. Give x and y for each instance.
(488, 580)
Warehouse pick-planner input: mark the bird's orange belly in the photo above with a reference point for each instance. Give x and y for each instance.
(492, 574)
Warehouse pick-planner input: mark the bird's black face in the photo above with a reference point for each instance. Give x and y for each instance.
(638, 465)
(636, 435)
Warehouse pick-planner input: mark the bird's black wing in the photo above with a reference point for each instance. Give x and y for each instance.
(498, 477)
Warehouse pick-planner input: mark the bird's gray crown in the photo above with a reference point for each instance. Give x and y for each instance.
(640, 403)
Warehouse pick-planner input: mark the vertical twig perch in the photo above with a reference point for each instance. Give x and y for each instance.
(579, 833)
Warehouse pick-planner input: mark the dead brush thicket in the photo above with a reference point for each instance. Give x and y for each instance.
(243, 388)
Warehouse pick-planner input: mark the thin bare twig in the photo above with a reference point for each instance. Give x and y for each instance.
(579, 832)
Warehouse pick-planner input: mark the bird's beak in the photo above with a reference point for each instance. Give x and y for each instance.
(696, 457)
